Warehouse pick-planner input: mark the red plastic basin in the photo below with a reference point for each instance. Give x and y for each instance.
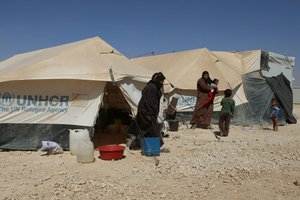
(111, 152)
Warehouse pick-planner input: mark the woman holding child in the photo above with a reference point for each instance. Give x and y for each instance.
(203, 108)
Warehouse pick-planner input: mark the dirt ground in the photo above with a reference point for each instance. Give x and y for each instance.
(252, 163)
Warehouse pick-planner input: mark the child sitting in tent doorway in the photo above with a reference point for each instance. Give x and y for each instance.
(213, 91)
(274, 114)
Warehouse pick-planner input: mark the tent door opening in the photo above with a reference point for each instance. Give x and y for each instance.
(113, 118)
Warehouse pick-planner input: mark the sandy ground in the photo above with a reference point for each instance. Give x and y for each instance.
(252, 163)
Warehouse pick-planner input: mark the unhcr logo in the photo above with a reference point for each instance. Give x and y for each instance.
(6, 99)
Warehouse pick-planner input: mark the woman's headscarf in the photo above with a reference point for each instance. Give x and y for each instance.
(157, 78)
(205, 73)
(208, 80)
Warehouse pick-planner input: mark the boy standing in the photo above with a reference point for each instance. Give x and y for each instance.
(228, 106)
(274, 114)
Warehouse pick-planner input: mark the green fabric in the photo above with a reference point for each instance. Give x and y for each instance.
(228, 105)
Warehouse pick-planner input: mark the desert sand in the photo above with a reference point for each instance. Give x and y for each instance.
(252, 163)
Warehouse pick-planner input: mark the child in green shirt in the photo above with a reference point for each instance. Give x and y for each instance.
(228, 106)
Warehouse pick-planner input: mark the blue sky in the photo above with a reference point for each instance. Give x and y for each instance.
(136, 27)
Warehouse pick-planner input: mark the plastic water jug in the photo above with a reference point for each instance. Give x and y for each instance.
(85, 151)
(76, 136)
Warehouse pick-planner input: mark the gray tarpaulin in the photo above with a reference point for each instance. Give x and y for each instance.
(260, 91)
(259, 96)
(284, 94)
(30, 136)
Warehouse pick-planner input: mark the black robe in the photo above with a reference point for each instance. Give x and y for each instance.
(148, 110)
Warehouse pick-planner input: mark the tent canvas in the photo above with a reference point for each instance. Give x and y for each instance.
(46, 92)
(184, 68)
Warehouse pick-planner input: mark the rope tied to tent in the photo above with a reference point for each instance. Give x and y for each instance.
(111, 52)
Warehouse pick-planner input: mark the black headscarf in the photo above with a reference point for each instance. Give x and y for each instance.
(208, 80)
(205, 73)
(157, 78)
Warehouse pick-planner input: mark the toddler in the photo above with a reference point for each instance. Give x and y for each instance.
(274, 114)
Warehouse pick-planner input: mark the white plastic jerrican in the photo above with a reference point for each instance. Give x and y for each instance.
(85, 151)
(76, 136)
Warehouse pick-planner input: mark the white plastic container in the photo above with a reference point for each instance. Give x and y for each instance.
(85, 151)
(76, 136)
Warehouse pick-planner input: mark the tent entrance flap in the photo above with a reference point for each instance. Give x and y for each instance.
(255, 85)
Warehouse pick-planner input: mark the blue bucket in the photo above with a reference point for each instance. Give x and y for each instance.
(151, 146)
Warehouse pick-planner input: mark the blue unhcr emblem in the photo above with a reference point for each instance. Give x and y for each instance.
(6, 99)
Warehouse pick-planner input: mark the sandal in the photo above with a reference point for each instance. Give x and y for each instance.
(164, 150)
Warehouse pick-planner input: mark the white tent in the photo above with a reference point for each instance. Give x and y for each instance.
(184, 68)
(62, 85)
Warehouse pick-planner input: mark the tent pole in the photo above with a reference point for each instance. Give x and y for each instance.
(183, 121)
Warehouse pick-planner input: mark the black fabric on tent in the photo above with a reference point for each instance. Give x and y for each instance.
(264, 61)
(259, 96)
(259, 92)
(280, 85)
